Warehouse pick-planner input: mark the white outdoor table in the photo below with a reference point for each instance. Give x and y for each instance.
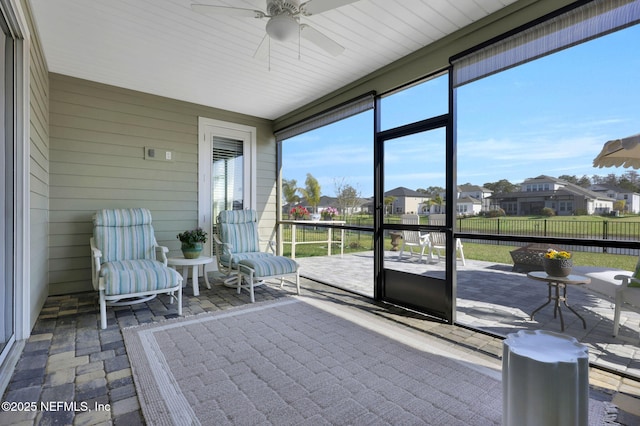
(195, 264)
(545, 379)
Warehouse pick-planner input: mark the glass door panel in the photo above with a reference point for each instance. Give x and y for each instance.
(227, 176)
(333, 162)
(414, 183)
(414, 194)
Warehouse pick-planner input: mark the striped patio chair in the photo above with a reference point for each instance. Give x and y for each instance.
(239, 255)
(124, 265)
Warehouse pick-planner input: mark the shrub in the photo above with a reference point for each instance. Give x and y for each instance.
(496, 213)
(547, 211)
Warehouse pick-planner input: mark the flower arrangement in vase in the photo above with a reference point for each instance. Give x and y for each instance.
(329, 213)
(299, 212)
(557, 263)
(192, 242)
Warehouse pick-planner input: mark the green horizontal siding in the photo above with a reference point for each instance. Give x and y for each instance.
(98, 134)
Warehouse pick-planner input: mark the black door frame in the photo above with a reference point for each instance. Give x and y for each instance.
(425, 294)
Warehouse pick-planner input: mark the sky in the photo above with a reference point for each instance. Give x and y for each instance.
(550, 116)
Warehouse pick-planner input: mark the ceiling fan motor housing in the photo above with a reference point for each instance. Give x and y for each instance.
(283, 24)
(279, 7)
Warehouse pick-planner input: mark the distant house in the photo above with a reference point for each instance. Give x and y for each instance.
(467, 197)
(545, 191)
(631, 199)
(469, 206)
(407, 200)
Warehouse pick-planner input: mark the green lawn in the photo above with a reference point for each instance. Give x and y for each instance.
(500, 254)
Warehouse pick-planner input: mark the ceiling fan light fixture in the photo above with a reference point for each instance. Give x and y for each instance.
(282, 27)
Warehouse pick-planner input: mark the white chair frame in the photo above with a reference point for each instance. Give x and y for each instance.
(624, 294)
(247, 275)
(128, 298)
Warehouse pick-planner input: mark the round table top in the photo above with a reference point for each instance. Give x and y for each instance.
(181, 261)
(546, 346)
(569, 279)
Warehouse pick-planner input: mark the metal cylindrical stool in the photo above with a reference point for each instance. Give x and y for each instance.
(545, 380)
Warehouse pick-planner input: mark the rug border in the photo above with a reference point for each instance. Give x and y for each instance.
(140, 343)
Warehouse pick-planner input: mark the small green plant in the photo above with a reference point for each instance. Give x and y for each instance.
(189, 238)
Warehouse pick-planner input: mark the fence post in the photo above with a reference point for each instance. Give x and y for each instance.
(605, 233)
(544, 232)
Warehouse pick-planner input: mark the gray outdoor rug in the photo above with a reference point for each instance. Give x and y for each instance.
(304, 361)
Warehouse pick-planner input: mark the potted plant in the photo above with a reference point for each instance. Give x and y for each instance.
(329, 213)
(557, 263)
(299, 212)
(192, 242)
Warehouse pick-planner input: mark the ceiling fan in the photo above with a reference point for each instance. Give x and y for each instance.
(284, 21)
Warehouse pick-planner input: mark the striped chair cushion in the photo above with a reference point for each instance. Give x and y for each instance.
(242, 237)
(122, 217)
(124, 234)
(237, 257)
(237, 216)
(270, 266)
(135, 276)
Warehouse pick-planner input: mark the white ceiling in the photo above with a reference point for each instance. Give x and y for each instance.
(164, 48)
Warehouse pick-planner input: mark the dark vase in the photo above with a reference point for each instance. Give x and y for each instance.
(191, 251)
(557, 267)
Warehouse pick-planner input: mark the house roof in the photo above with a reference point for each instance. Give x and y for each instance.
(604, 187)
(472, 188)
(468, 200)
(401, 191)
(163, 47)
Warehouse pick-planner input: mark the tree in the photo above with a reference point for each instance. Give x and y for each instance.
(348, 197)
(311, 192)
(584, 181)
(289, 189)
(611, 179)
(388, 202)
(501, 186)
(438, 201)
(633, 177)
(432, 190)
(571, 179)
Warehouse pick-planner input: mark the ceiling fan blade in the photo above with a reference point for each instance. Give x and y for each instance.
(207, 9)
(263, 48)
(320, 40)
(313, 7)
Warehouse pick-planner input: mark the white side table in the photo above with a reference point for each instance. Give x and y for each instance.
(194, 263)
(545, 379)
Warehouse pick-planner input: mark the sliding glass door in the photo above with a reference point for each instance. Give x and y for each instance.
(227, 171)
(7, 154)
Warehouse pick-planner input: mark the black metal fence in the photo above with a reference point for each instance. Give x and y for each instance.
(570, 228)
(597, 230)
